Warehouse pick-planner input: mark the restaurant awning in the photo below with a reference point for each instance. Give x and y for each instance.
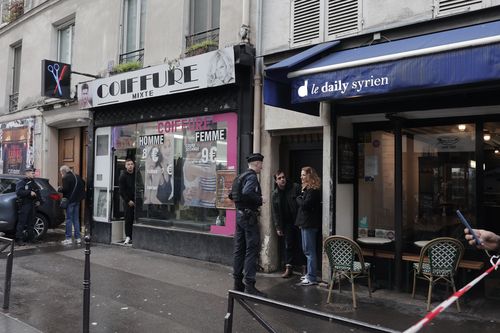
(448, 58)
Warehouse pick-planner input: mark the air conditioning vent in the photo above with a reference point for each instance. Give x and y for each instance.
(305, 21)
(343, 17)
(446, 7)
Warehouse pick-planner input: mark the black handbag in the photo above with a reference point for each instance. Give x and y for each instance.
(64, 203)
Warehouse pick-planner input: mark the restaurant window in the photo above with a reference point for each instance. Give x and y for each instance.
(177, 163)
(491, 193)
(439, 177)
(376, 184)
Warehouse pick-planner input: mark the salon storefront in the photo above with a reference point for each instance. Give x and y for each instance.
(187, 127)
(416, 132)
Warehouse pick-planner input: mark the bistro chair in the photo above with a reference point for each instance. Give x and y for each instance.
(438, 262)
(346, 260)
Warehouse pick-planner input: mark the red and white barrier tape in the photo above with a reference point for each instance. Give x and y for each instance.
(495, 263)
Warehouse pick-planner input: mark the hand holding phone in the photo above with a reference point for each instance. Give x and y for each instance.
(467, 225)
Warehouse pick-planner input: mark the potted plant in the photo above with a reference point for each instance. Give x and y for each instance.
(15, 10)
(126, 67)
(201, 47)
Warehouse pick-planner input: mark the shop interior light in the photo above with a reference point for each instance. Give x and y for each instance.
(461, 127)
(497, 151)
(487, 136)
(472, 164)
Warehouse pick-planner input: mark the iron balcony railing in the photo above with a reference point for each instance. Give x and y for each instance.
(13, 102)
(209, 35)
(137, 55)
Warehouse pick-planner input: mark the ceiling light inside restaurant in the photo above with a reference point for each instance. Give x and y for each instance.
(487, 136)
(461, 127)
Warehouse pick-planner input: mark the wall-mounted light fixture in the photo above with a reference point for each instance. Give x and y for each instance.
(462, 127)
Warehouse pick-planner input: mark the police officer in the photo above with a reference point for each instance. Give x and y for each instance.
(247, 237)
(28, 195)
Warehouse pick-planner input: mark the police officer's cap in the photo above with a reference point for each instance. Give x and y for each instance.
(30, 169)
(255, 157)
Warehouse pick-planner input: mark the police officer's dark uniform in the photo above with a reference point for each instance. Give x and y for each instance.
(247, 236)
(28, 196)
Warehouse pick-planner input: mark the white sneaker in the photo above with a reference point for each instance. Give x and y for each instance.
(306, 282)
(78, 241)
(303, 277)
(127, 240)
(67, 242)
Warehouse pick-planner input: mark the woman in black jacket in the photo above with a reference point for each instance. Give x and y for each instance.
(309, 220)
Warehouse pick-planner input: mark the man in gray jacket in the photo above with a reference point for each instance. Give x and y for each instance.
(284, 212)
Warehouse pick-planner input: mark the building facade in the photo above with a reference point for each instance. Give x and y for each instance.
(408, 113)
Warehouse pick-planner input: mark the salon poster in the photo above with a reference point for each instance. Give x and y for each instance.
(225, 179)
(14, 158)
(158, 156)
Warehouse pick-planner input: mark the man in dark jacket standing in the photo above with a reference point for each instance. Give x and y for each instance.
(284, 212)
(73, 189)
(28, 195)
(127, 193)
(247, 236)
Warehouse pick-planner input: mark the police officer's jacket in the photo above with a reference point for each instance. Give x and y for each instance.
(23, 191)
(251, 194)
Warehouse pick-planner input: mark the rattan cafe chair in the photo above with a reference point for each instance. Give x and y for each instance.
(346, 260)
(438, 262)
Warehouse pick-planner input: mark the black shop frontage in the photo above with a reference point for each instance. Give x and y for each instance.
(188, 128)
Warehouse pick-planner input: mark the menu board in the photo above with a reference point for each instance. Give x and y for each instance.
(346, 154)
(225, 180)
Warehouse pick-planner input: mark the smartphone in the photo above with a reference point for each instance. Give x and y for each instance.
(467, 225)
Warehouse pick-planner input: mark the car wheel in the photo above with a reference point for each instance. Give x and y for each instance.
(41, 225)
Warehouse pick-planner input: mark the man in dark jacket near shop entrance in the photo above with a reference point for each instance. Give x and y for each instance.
(73, 189)
(127, 193)
(248, 200)
(284, 212)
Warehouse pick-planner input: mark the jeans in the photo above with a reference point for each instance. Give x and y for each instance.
(246, 248)
(309, 247)
(291, 234)
(73, 219)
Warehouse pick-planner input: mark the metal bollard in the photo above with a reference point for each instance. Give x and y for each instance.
(86, 286)
(8, 275)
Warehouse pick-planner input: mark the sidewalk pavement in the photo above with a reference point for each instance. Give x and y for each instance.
(140, 291)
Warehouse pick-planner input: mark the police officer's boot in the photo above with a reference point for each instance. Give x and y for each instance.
(250, 289)
(238, 285)
(288, 272)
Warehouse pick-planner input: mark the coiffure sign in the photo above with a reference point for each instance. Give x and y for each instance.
(206, 70)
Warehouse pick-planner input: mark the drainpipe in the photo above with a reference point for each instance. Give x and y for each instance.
(257, 107)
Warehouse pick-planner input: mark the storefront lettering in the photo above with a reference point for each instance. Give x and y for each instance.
(137, 86)
(341, 86)
(147, 140)
(211, 135)
(191, 124)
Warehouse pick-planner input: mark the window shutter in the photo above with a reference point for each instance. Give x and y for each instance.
(342, 18)
(448, 7)
(305, 22)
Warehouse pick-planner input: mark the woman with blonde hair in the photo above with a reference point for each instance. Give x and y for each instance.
(309, 220)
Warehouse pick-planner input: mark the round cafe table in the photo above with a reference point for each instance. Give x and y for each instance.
(374, 243)
(421, 243)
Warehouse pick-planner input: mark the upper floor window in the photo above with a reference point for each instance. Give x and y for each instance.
(65, 35)
(204, 22)
(134, 20)
(10, 10)
(16, 77)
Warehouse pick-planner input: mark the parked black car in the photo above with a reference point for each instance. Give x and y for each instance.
(47, 215)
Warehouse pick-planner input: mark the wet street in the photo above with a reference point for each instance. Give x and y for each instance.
(140, 291)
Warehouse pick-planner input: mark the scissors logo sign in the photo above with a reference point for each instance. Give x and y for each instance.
(56, 79)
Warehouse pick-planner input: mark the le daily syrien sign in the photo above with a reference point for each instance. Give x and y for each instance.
(338, 85)
(206, 70)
